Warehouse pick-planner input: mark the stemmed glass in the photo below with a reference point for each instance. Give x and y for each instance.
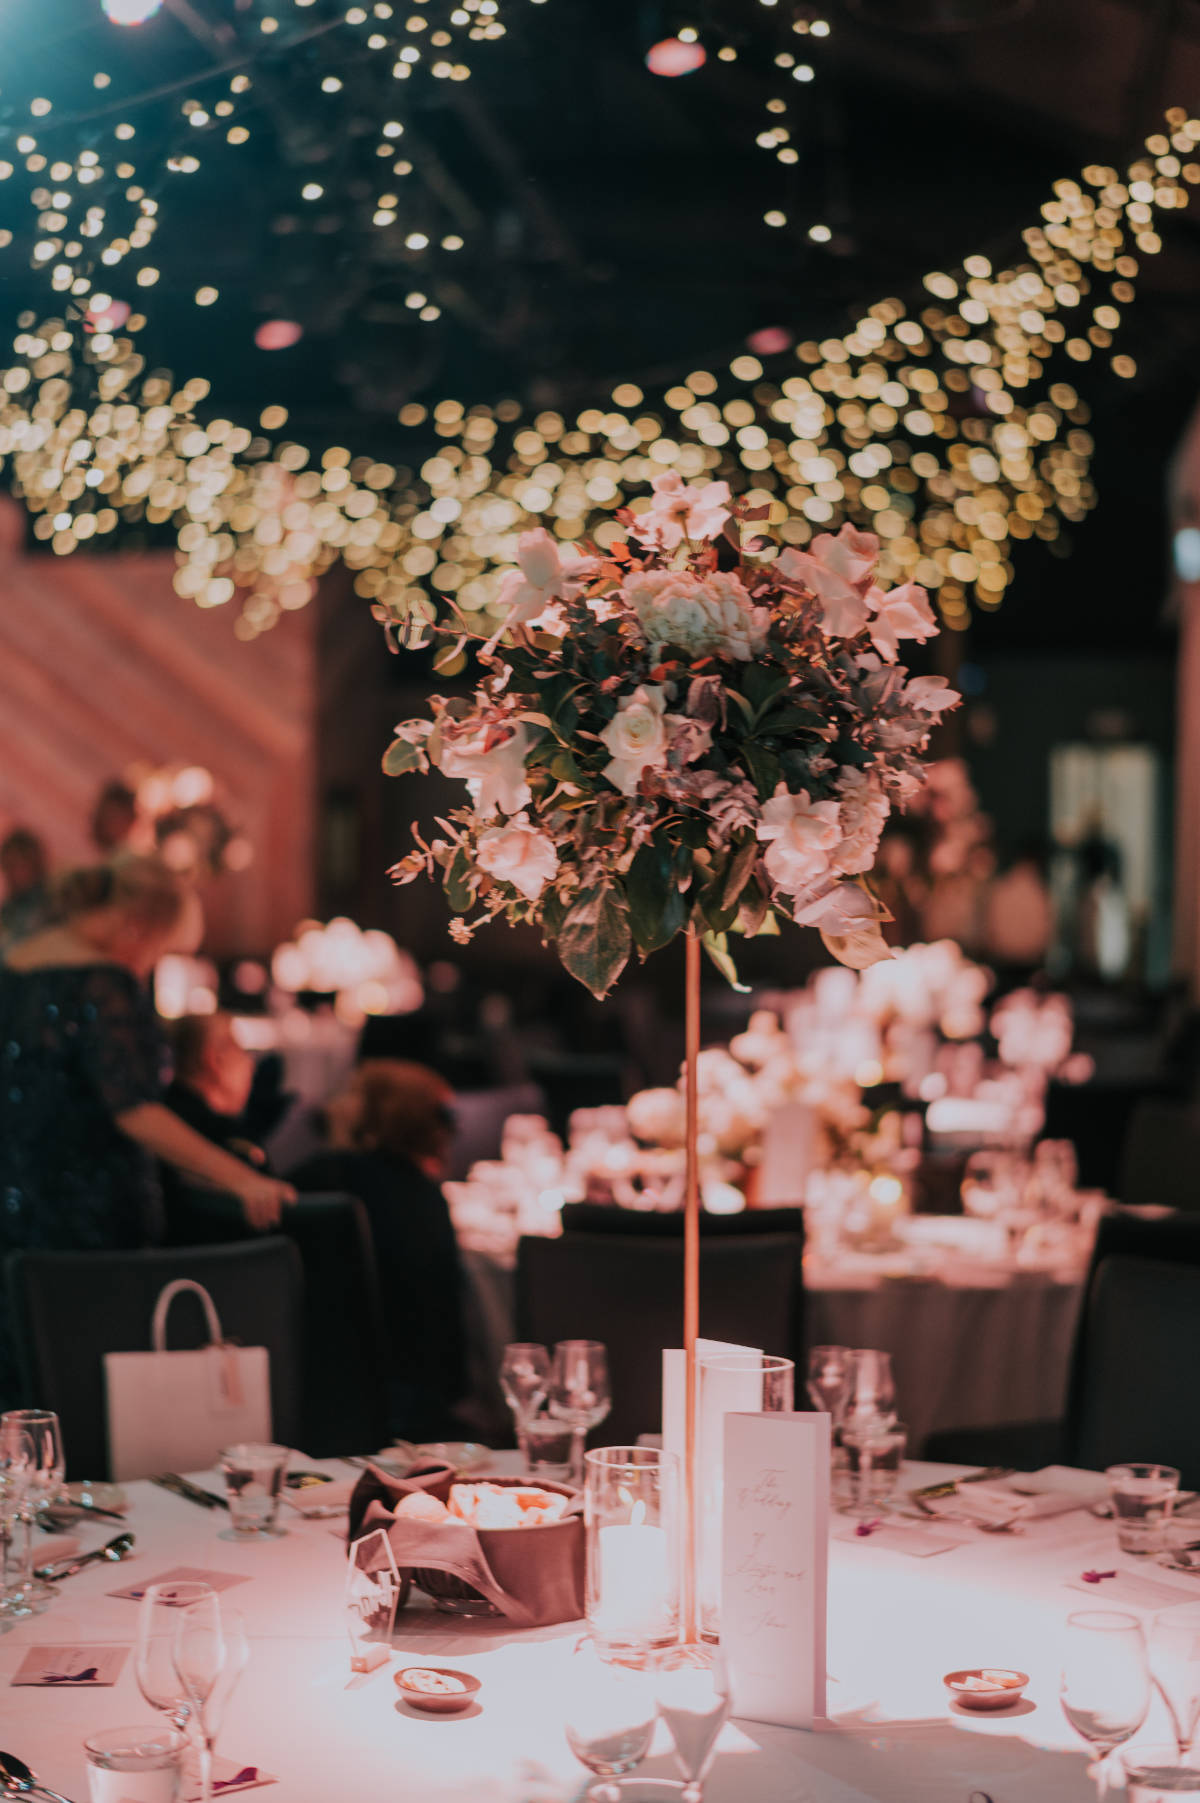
(609, 1720)
(210, 1656)
(872, 1388)
(154, 1657)
(695, 1706)
(1175, 1667)
(15, 1457)
(35, 1435)
(1105, 1687)
(525, 1381)
(579, 1393)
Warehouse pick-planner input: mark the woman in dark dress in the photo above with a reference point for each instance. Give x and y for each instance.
(394, 1124)
(83, 1066)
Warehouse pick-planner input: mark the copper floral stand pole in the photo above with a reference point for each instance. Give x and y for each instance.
(691, 1278)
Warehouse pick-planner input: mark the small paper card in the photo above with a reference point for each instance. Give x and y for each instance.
(228, 1775)
(71, 1667)
(181, 1574)
(1130, 1590)
(675, 1387)
(776, 1542)
(917, 1542)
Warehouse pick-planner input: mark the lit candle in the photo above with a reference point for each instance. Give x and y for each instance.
(635, 1592)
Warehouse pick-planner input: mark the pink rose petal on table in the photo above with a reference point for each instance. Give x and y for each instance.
(1095, 1577)
(867, 1527)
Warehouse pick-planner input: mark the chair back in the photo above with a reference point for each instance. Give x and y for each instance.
(1160, 1160)
(343, 1406)
(70, 1308)
(479, 1117)
(603, 1217)
(628, 1292)
(1143, 1345)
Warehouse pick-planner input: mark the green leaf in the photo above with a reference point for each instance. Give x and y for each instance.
(594, 941)
(717, 947)
(460, 891)
(744, 706)
(779, 721)
(401, 756)
(657, 910)
(860, 947)
(737, 873)
(764, 769)
(761, 685)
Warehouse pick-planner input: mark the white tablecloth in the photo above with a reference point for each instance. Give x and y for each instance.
(963, 1356)
(896, 1624)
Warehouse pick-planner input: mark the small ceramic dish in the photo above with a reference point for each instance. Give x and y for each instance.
(415, 1685)
(986, 1686)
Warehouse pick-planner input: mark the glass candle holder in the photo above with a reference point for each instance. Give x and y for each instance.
(730, 1383)
(632, 1521)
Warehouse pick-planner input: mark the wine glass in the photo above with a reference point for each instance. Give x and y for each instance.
(579, 1392)
(1105, 1685)
(210, 1656)
(154, 1656)
(525, 1381)
(694, 1704)
(609, 1720)
(1175, 1667)
(15, 1457)
(38, 1433)
(872, 1388)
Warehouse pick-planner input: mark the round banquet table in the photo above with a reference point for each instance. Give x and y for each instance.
(965, 1355)
(897, 1622)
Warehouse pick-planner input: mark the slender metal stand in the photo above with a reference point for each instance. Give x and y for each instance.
(691, 1280)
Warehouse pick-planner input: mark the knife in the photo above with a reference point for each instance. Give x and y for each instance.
(949, 1487)
(182, 1486)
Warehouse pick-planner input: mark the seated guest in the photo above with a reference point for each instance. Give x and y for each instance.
(213, 1078)
(26, 904)
(83, 1068)
(390, 1131)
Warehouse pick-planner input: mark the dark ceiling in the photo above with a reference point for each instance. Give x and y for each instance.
(613, 221)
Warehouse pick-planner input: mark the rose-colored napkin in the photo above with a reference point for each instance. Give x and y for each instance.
(532, 1575)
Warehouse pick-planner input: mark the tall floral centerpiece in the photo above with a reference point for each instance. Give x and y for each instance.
(690, 732)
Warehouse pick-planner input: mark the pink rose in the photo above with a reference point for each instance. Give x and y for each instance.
(801, 834)
(838, 572)
(519, 854)
(863, 812)
(904, 613)
(545, 574)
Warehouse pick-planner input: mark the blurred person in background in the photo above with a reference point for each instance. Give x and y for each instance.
(83, 1069)
(24, 867)
(114, 817)
(390, 1132)
(214, 1074)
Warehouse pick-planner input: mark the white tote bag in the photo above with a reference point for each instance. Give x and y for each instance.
(175, 1411)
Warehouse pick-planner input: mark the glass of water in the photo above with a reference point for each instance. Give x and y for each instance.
(876, 1451)
(253, 1480)
(1159, 1775)
(609, 1722)
(135, 1765)
(1142, 1497)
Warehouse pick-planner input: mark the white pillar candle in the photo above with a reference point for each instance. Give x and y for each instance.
(635, 1593)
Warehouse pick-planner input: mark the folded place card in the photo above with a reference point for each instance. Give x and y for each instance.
(228, 1775)
(181, 1574)
(1111, 1589)
(916, 1542)
(71, 1667)
(776, 1535)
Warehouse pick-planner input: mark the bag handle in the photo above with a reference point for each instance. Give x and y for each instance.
(158, 1325)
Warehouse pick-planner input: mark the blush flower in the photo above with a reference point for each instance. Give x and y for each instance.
(519, 854)
(902, 613)
(838, 571)
(545, 574)
(489, 756)
(636, 737)
(801, 833)
(863, 810)
(678, 509)
(701, 619)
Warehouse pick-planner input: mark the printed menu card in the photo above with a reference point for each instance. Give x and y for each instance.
(775, 1551)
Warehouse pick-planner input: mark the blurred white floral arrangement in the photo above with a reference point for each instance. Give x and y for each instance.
(365, 972)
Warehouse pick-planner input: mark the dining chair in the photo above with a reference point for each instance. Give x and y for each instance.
(1160, 1159)
(1133, 1399)
(479, 1117)
(605, 1217)
(69, 1308)
(345, 1356)
(1124, 1239)
(627, 1291)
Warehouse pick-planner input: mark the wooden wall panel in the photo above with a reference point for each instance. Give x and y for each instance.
(102, 665)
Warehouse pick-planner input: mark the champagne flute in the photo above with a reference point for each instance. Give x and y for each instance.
(1175, 1667)
(525, 1381)
(38, 1433)
(1105, 1686)
(580, 1393)
(830, 1379)
(210, 1655)
(873, 1388)
(154, 1656)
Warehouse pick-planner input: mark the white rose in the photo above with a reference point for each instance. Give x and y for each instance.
(801, 834)
(519, 854)
(637, 738)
